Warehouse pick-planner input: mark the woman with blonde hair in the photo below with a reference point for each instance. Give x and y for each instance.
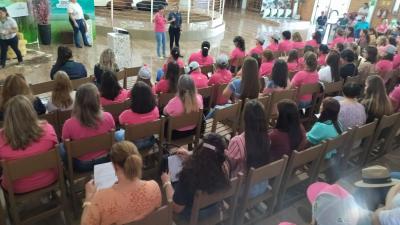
(23, 135)
(298, 42)
(62, 97)
(15, 84)
(107, 62)
(186, 101)
(88, 120)
(376, 102)
(129, 199)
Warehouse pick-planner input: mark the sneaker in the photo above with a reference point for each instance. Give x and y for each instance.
(88, 45)
(78, 46)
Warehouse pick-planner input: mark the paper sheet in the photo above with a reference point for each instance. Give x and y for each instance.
(104, 175)
(174, 167)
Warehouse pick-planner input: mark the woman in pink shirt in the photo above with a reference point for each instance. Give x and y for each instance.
(279, 78)
(267, 63)
(186, 101)
(383, 27)
(307, 48)
(202, 57)
(384, 66)
(316, 40)
(169, 82)
(395, 98)
(307, 76)
(159, 28)
(22, 136)
(258, 50)
(88, 120)
(200, 80)
(298, 42)
(110, 90)
(339, 38)
(286, 44)
(221, 76)
(323, 52)
(273, 43)
(237, 53)
(174, 57)
(293, 60)
(143, 108)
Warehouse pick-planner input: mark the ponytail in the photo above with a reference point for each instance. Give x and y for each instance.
(125, 155)
(133, 167)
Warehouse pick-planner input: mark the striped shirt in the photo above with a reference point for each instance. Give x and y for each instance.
(236, 155)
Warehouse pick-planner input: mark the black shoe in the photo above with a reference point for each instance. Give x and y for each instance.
(88, 45)
(78, 46)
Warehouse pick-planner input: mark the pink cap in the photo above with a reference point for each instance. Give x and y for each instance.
(287, 223)
(320, 187)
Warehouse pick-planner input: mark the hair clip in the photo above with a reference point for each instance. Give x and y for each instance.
(206, 145)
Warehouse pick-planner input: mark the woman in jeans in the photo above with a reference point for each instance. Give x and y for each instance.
(8, 37)
(159, 28)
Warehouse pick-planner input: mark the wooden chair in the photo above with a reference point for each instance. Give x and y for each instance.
(219, 89)
(43, 87)
(16, 169)
(162, 216)
(188, 119)
(144, 130)
(224, 215)
(208, 95)
(333, 88)
(52, 118)
(291, 74)
(315, 91)
(129, 73)
(302, 168)
(117, 108)
(276, 97)
(300, 52)
(272, 172)
(383, 138)
(62, 117)
(239, 65)
(393, 80)
(361, 142)
(277, 54)
(163, 99)
(355, 79)
(227, 119)
(77, 148)
(266, 102)
(78, 82)
(207, 69)
(121, 77)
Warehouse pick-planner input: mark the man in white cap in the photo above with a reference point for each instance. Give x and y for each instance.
(259, 46)
(274, 43)
(200, 80)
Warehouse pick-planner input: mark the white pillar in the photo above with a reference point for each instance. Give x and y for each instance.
(223, 9)
(151, 10)
(244, 4)
(208, 7)
(112, 13)
(189, 7)
(213, 9)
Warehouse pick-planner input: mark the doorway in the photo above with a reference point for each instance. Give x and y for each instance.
(329, 6)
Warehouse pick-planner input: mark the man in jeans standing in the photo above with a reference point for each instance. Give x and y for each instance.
(78, 23)
(174, 30)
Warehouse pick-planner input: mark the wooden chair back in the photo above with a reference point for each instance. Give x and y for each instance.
(162, 216)
(181, 71)
(219, 90)
(266, 102)
(355, 79)
(315, 91)
(188, 119)
(208, 95)
(62, 117)
(20, 168)
(163, 99)
(121, 77)
(272, 172)
(277, 96)
(229, 195)
(208, 69)
(43, 87)
(227, 116)
(333, 88)
(291, 74)
(78, 82)
(117, 108)
(52, 118)
(129, 73)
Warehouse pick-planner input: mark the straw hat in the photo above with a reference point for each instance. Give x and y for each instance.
(375, 177)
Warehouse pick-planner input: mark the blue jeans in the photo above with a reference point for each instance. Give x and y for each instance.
(79, 165)
(259, 188)
(160, 37)
(395, 175)
(80, 29)
(144, 143)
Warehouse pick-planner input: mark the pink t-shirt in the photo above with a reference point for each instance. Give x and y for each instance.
(203, 61)
(220, 76)
(396, 61)
(298, 44)
(256, 50)
(175, 108)
(395, 96)
(337, 40)
(304, 77)
(285, 46)
(200, 80)
(236, 54)
(74, 130)
(37, 180)
(383, 67)
(301, 63)
(159, 23)
(350, 40)
(273, 47)
(382, 28)
(312, 43)
(162, 86)
(293, 66)
(130, 117)
(123, 95)
(321, 59)
(266, 68)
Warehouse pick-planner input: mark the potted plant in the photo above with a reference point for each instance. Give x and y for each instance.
(41, 10)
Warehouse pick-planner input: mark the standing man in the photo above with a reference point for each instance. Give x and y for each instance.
(174, 30)
(8, 37)
(321, 22)
(363, 11)
(78, 23)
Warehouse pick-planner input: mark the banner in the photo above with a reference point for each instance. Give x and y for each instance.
(59, 17)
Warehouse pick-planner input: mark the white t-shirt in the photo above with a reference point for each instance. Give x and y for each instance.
(325, 74)
(76, 10)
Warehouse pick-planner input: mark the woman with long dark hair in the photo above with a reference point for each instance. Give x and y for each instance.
(293, 60)
(289, 134)
(8, 37)
(237, 53)
(267, 63)
(111, 91)
(65, 63)
(279, 78)
(170, 81)
(331, 72)
(202, 57)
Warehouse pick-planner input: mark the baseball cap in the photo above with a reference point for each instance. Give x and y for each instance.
(145, 73)
(390, 49)
(222, 60)
(276, 37)
(260, 39)
(194, 65)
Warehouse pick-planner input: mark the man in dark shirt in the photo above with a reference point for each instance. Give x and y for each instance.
(348, 69)
(322, 19)
(174, 30)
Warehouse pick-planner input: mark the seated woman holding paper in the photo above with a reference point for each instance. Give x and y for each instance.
(204, 170)
(129, 199)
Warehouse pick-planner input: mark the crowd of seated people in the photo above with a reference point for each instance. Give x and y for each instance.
(215, 160)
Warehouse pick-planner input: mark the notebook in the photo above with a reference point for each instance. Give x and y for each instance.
(104, 175)
(174, 167)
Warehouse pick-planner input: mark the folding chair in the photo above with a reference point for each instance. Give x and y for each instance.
(162, 216)
(224, 215)
(226, 118)
(163, 99)
(272, 172)
(78, 82)
(77, 148)
(188, 119)
(144, 130)
(43, 87)
(130, 73)
(333, 88)
(302, 168)
(208, 95)
(16, 169)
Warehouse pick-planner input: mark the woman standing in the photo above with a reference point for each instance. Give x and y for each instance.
(8, 37)
(159, 28)
(237, 53)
